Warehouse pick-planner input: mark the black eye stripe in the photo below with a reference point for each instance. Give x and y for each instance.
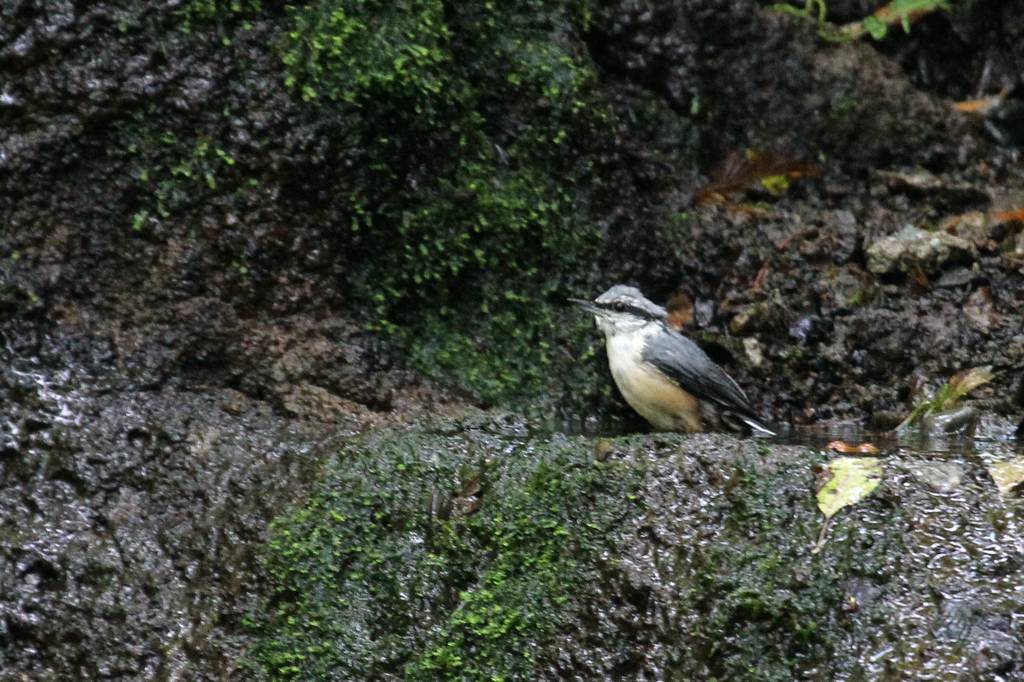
(627, 307)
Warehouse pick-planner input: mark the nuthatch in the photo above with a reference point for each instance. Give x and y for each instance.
(663, 375)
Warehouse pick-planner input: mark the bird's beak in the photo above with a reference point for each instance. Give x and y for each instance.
(586, 305)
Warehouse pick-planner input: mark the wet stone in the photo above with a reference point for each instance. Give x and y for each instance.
(104, 515)
(704, 312)
(920, 182)
(845, 236)
(955, 277)
(754, 351)
(845, 288)
(959, 420)
(913, 247)
(942, 477)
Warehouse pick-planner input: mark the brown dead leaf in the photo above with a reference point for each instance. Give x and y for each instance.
(848, 448)
(954, 223)
(966, 381)
(976, 227)
(762, 274)
(680, 312)
(983, 105)
(1011, 216)
(743, 171)
(1008, 476)
(744, 212)
(920, 278)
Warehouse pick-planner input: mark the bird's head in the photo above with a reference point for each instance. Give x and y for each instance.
(622, 309)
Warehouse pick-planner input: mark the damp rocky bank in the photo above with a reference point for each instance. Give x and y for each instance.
(262, 267)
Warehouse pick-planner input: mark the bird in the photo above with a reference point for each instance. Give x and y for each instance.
(663, 375)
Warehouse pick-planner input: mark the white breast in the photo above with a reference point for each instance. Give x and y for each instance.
(658, 400)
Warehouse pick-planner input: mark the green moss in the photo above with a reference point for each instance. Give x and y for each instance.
(767, 608)
(541, 348)
(447, 158)
(474, 553)
(170, 173)
(472, 130)
(180, 165)
(197, 13)
(386, 570)
(357, 50)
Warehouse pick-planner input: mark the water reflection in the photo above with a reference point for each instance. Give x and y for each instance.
(995, 441)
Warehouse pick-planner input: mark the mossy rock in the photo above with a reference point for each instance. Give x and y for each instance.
(471, 551)
(391, 570)
(436, 165)
(472, 143)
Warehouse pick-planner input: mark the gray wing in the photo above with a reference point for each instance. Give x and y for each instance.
(685, 363)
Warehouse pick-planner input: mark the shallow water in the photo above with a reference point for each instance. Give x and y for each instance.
(990, 436)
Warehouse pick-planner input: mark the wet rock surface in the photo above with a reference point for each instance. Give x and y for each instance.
(130, 522)
(188, 334)
(913, 248)
(136, 493)
(655, 557)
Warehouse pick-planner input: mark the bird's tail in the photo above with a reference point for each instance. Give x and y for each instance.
(759, 429)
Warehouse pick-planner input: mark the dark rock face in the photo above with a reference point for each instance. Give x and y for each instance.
(128, 533)
(155, 157)
(222, 246)
(767, 83)
(136, 495)
(913, 249)
(756, 79)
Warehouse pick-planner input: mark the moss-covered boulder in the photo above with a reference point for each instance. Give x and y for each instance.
(475, 552)
(429, 554)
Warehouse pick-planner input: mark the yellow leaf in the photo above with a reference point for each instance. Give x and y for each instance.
(964, 382)
(853, 479)
(1008, 476)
